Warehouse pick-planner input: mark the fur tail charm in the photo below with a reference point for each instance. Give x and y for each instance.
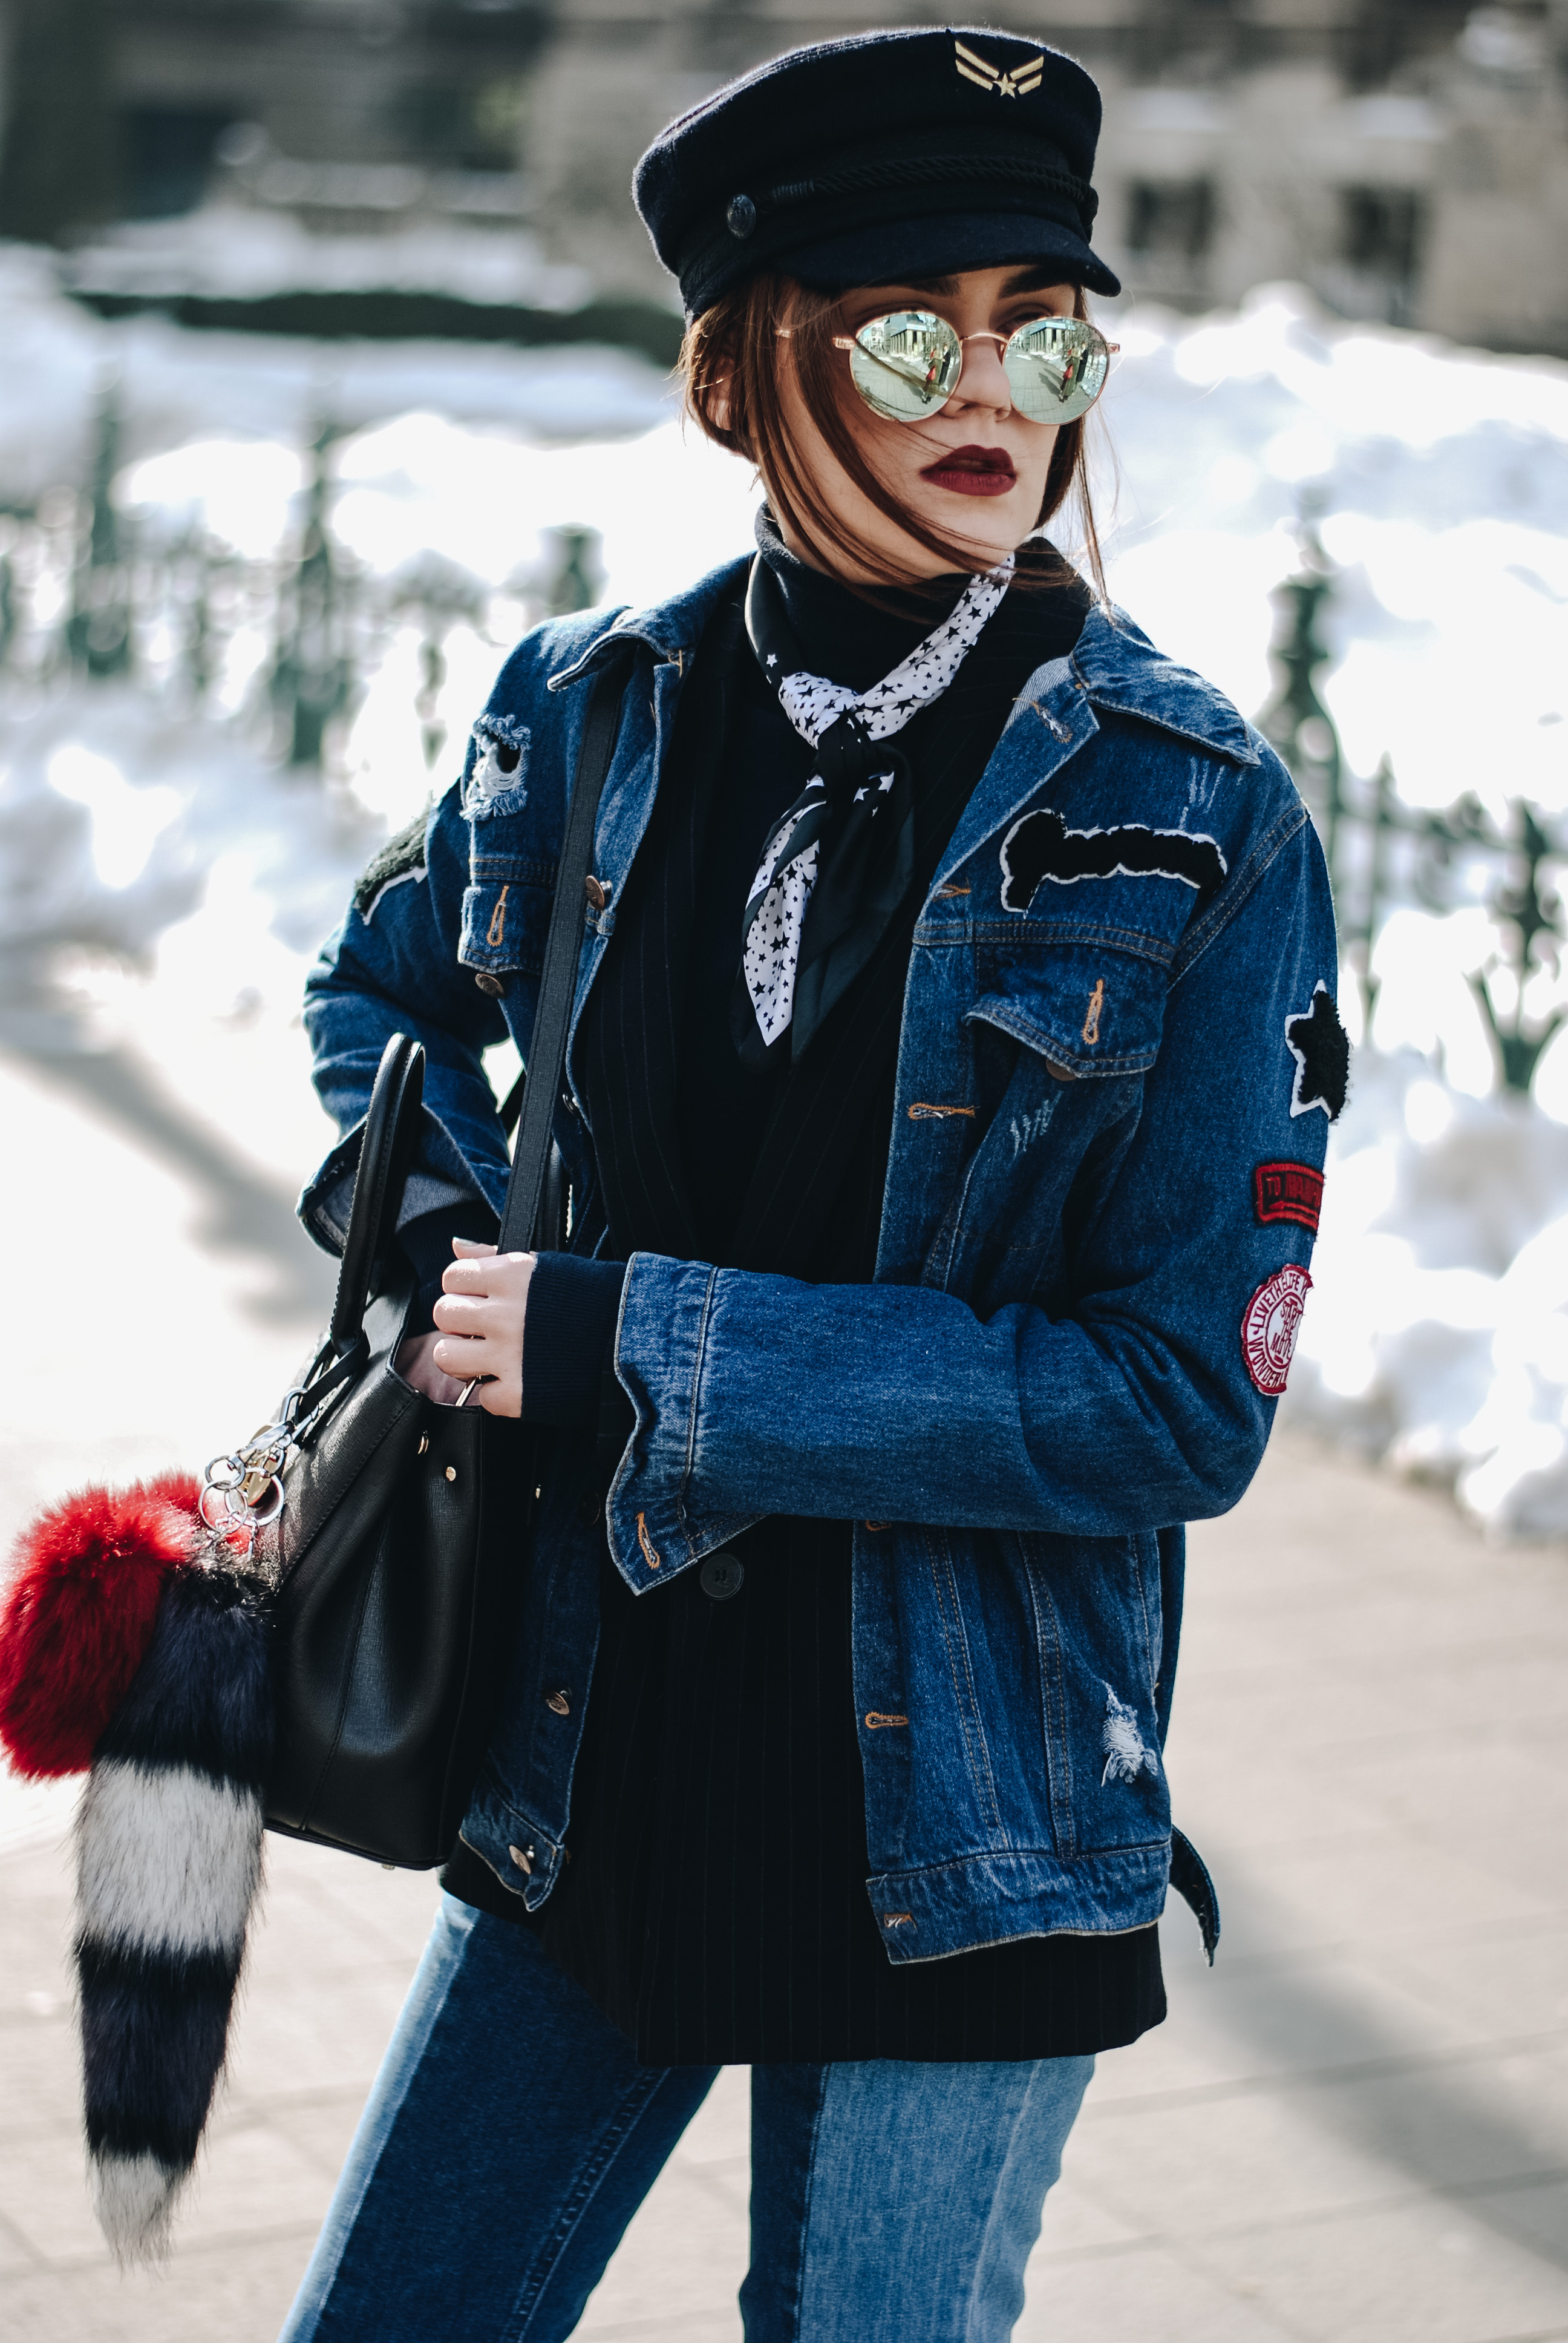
(130, 1640)
(79, 1616)
(169, 1865)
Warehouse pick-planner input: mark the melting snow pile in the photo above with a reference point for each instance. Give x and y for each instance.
(1436, 1334)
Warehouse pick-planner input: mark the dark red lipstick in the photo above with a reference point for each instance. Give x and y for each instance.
(973, 472)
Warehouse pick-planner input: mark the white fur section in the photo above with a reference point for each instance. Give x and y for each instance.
(167, 1860)
(134, 2198)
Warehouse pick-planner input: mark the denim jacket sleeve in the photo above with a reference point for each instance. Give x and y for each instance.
(1127, 1405)
(392, 967)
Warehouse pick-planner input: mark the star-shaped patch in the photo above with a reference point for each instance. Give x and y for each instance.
(1321, 1050)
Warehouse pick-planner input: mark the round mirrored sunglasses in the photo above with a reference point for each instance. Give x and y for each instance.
(907, 364)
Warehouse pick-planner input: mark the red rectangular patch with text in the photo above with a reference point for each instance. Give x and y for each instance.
(1288, 1192)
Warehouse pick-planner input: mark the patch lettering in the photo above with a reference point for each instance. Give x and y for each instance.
(1321, 1050)
(1041, 846)
(1269, 1326)
(1288, 1192)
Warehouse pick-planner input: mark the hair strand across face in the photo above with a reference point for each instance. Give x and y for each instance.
(732, 366)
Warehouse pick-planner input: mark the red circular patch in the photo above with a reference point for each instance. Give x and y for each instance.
(1269, 1327)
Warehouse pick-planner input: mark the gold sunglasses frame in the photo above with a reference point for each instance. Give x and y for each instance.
(853, 341)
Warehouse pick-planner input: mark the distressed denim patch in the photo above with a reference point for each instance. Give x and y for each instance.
(496, 780)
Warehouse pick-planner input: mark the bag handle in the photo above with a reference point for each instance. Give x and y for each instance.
(522, 1229)
(395, 1115)
(387, 1152)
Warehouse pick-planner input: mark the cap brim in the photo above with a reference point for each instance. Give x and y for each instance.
(901, 251)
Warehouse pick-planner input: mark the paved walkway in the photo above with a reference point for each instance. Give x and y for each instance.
(1354, 2130)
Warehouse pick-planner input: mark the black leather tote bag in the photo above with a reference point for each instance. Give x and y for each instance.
(393, 1530)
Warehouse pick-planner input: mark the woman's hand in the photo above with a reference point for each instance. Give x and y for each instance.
(479, 1321)
(416, 1362)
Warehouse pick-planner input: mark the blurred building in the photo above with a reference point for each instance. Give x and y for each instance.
(1407, 159)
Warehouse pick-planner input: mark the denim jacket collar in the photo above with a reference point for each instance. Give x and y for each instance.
(1114, 667)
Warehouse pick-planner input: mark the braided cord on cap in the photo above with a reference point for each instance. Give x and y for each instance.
(892, 171)
(1009, 174)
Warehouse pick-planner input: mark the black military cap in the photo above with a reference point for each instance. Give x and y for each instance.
(872, 160)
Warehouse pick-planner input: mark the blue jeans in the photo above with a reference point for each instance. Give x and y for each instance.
(510, 2137)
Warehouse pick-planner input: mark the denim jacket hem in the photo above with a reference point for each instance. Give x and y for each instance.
(493, 1826)
(994, 1899)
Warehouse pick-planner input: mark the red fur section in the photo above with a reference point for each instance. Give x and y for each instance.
(79, 1616)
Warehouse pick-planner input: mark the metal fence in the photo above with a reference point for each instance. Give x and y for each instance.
(1382, 852)
(86, 589)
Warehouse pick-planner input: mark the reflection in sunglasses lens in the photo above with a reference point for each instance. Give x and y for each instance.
(905, 365)
(1057, 368)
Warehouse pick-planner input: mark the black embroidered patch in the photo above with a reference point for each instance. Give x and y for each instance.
(402, 857)
(1288, 1192)
(1041, 846)
(1321, 1050)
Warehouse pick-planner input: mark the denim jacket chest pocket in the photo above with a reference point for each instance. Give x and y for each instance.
(1073, 1002)
(505, 904)
(1088, 1001)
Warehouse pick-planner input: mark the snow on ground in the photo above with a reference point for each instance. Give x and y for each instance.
(1438, 1331)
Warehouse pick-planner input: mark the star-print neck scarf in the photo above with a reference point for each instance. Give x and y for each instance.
(836, 866)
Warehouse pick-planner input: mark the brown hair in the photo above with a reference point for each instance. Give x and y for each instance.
(730, 372)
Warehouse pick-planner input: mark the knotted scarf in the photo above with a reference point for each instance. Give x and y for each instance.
(836, 866)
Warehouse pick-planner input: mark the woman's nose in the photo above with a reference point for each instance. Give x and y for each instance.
(983, 382)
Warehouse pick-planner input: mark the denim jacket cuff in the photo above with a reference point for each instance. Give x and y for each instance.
(655, 1529)
(441, 1178)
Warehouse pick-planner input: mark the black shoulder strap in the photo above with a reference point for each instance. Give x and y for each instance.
(557, 982)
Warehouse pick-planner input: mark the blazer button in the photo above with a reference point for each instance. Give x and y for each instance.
(721, 1576)
(490, 984)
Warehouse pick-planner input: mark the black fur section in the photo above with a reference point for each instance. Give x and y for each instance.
(153, 2034)
(1041, 846)
(402, 853)
(202, 1694)
(1321, 1050)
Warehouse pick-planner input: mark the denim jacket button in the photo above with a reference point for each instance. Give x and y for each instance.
(490, 984)
(596, 891)
(721, 1576)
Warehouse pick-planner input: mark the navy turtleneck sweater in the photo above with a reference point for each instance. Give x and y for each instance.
(714, 1906)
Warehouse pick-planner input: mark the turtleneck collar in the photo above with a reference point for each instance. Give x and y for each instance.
(840, 636)
(851, 642)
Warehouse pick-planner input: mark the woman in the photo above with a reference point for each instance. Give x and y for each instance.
(952, 1055)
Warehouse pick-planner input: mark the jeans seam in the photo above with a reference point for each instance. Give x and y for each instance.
(983, 2243)
(616, 2134)
(799, 2292)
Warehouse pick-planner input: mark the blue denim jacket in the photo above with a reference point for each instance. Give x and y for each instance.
(1099, 1203)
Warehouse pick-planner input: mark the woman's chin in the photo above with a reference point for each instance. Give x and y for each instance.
(991, 524)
